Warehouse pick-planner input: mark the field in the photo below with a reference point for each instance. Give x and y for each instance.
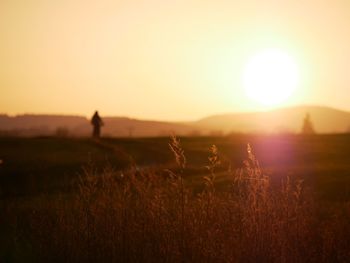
(63, 198)
(35, 165)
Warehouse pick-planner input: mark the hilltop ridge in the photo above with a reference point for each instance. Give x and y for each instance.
(283, 120)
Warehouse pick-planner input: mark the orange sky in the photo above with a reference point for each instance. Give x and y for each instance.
(158, 59)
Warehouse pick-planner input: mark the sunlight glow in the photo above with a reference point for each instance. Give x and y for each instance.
(270, 77)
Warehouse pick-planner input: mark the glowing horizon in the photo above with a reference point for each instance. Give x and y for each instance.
(162, 60)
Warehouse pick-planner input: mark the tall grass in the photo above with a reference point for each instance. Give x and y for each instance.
(154, 216)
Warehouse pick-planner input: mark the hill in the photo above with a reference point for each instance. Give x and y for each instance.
(286, 120)
(325, 120)
(43, 125)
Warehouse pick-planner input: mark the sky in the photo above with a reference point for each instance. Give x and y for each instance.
(165, 60)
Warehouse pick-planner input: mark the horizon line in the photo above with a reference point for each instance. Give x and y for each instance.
(174, 121)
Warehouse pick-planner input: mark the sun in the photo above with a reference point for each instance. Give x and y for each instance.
(270, 77)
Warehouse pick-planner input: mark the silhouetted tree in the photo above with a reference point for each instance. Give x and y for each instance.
(62, 132)
(97, 122)
(308, 127)
(130, 130)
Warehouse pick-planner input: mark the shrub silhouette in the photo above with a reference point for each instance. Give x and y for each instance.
(308, 127)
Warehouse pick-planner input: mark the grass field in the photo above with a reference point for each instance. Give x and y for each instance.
(137, 200)
(34, 165)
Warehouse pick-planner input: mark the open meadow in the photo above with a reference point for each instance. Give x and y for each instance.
(276, 198)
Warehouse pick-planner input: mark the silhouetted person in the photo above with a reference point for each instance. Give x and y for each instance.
(308, 127)
(97, 122)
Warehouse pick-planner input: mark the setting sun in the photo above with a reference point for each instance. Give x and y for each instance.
(270, 77)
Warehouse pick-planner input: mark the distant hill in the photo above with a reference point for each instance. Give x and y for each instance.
(286, 120)
(325, 120)
(120, 126)
(34, 125)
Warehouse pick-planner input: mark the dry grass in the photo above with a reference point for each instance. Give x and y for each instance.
(152, 216)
